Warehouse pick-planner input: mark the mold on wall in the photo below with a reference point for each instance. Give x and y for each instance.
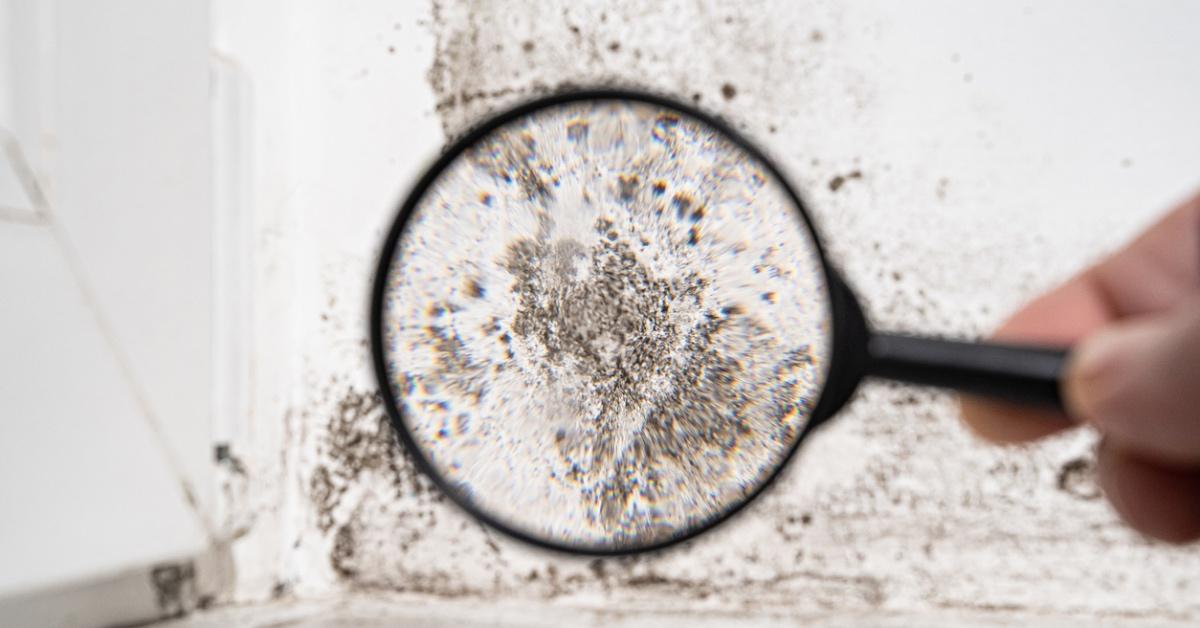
(893, 507)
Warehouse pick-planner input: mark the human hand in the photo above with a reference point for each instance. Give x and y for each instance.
(1134, 374)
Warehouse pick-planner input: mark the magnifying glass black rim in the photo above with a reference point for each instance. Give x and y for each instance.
(820, 411)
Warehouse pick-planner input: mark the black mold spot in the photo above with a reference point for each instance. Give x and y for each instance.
(341, 558)
(629, 185)
(360, 442)
(475, 289)
(837, 182)
(174, 588)
(681, 202)
(728, 91)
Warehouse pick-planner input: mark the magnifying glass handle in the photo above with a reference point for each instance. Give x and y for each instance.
(1020, 373)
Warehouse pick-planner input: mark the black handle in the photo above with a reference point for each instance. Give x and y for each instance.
(1021, 373)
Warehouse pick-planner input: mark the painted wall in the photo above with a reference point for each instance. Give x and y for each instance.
(106, 307)
(959, 157)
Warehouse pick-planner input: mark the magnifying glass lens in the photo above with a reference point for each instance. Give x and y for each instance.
(605, 324)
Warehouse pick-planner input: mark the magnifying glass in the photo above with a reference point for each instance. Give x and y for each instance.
(603, 322)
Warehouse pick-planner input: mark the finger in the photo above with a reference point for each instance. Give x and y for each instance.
(1158, 270)
(1058, 318)
(1152, 273)
(1139, 383)
(1160, 502)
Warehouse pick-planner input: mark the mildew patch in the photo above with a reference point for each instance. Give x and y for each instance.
(893, 506)
(174, 588)
(747, 49)
(359, 446)
(624, 382)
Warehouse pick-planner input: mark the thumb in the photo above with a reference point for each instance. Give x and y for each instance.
(1139, 382)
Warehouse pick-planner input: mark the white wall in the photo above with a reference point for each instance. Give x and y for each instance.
(1002, 146)
(106, 374)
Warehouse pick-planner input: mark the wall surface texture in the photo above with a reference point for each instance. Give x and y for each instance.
(958, 157)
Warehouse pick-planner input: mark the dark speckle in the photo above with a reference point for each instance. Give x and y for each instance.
(816, 36)
(659, 187)
(693, 236)
(341, 558)
(728, 91)
(391, 50)
(614, 46)
(475, 289)
(598, 568)
(1077, 477)
(681, 202)
(174, 584)
(629, 185)
(528, 46)
(837, 182)
(769, 297)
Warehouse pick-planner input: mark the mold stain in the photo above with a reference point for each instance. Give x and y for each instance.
(840, 180)
(840, 547)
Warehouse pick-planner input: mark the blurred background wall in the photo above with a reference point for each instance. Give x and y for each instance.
(193, 195)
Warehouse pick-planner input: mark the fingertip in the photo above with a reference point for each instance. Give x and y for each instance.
(1003, 423)
(1098, 368)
